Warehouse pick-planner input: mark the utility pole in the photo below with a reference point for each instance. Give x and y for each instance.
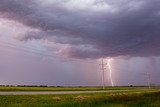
(103, 72)
(148, 79)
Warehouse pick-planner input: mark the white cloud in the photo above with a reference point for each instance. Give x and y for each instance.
(79, 5)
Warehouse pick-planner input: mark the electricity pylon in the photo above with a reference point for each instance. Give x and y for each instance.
(148, 79)
(103, 72)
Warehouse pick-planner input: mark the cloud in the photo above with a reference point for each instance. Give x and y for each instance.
(91, 28)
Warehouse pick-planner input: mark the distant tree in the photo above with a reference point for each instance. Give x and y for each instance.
(131, 85)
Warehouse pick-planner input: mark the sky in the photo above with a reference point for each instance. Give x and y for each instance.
(62, 42)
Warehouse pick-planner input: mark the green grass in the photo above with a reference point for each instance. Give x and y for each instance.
(132, 98)
(14, 88)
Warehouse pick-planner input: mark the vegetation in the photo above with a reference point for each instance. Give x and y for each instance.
(150, 99)
(132, 98)
(46, 88)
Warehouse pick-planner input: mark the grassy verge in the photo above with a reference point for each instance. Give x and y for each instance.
(115, 99)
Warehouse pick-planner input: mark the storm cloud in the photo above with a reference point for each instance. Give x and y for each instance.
(90, 28)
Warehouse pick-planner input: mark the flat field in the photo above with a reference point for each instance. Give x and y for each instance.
(124, 97)
(25, 88)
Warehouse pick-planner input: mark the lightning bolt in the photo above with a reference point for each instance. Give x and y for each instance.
(110, 71)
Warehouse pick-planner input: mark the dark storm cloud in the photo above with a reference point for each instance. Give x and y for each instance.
(124, 28)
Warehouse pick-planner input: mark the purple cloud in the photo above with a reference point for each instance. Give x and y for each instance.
(92, 29)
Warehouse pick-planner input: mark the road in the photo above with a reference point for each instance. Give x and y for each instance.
(56, 92)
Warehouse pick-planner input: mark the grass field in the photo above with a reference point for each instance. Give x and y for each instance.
(130, 97)
(20, 88)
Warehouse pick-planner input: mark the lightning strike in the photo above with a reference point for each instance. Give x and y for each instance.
(110, 71)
